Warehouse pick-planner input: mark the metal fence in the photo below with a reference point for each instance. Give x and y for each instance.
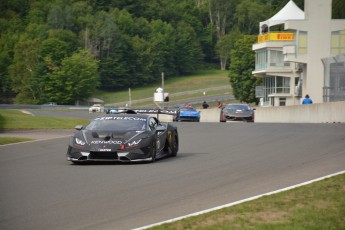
(334, 78)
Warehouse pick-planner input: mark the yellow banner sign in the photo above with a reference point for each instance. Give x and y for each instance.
(276, 37)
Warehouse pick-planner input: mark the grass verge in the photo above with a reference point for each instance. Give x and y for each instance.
(320, 205)
(16, 119)
(11, 140)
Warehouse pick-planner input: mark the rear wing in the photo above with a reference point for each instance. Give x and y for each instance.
(127, 110)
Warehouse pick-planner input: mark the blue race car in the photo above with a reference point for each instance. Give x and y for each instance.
(188, 113)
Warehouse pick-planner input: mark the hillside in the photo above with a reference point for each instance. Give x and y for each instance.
(203, 84)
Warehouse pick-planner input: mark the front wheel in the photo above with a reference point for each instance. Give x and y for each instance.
(153, 151)
(174, 145)
(222, 117)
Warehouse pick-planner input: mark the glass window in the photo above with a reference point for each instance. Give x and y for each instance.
(282, 101)
(275, 85)
(153, 124)
(117, 124)
(338, 42)
(302, 42)
(261, 59)
(276, 58)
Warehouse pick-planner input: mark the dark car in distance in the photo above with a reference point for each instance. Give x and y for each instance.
(237, 112)
(123, 137)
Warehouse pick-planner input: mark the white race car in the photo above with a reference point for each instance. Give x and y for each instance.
(96, 108)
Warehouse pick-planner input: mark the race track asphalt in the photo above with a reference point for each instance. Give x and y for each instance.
(217, 163)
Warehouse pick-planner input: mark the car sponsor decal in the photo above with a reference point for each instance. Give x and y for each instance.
(162, 111)
(134, 143)
(120, 118)
(104, 150)
(106, 142)
(138, 132)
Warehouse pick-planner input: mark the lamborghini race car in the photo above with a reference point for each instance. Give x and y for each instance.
(237, 112)
(124, 137)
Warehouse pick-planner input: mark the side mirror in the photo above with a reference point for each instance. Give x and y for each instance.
(160, 128)
(79, 127)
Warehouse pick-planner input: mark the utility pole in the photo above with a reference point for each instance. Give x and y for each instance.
(129, 97)
(163, 87)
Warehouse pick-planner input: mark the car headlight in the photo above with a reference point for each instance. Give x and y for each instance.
(79, 141)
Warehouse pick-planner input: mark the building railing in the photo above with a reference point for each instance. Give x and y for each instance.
(273, 65)
(333, 94)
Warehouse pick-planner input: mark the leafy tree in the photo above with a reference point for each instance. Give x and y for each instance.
(248, 15)
(162, 46)
(25, 82)
(75, 80)
(221, 14)
(241, 67)
(5, 80)
(187, 48)
(338, 11)
(133, 41)
(224, 46)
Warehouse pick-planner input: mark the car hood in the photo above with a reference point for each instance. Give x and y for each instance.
(189, 113)
(238, 111)
(108, 139)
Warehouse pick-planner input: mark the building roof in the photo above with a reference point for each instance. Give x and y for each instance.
(289, 12)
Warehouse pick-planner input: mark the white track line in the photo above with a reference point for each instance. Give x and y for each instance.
(239, 202)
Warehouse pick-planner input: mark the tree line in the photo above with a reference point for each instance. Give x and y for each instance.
(63, 50)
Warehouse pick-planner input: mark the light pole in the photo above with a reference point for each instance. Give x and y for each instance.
(163, 88)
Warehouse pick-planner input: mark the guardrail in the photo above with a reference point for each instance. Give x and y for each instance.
(330, 112)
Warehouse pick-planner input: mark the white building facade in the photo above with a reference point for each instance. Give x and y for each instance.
(301, 53)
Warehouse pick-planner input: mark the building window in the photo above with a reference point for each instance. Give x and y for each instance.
(270, 58)
(276, 58)
(338, 42)
(261, 59)
(274, 85)
(282, 101)
(302, 42)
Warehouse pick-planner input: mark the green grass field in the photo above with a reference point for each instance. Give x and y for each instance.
(200, 80)
(15, 119)
(319, 206)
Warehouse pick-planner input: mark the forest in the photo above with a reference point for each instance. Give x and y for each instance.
(63, 50)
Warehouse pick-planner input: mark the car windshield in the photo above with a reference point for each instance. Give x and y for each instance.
(117, 125)
(241, 107)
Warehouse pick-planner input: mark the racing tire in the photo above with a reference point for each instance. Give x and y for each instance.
(171, 147)
(153, 151)
(174, 145)
(79, 162)
(222, 117)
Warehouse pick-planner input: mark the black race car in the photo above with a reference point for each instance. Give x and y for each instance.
(126, 137)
